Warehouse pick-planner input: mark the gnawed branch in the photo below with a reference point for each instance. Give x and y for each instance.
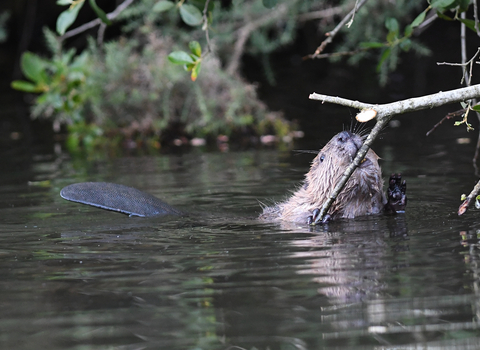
(410, 105)
(384, 113)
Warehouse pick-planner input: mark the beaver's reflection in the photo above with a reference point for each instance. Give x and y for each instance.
(339, 267)
(351, 270)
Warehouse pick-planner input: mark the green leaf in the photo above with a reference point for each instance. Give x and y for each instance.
(269, 3)
(384, 56)
(64, 2)
(191, 15)
(408, 30)
(406, 44)
(391, 37)
(195, 71)
(25, 86)
(458, 123)
(392, 24)
(162, 6)
(469, 23)
(80, 61)
(444, 17)
(100, 13)
(67, 17)
(180, 57)
(441, 4)
(32, 66)
(463, 5)
(371, 45)
(200, 4)
(419, 19)
(195, 48)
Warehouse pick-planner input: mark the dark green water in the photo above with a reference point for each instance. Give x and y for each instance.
(75, 277)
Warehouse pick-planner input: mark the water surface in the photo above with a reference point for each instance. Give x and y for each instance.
(76, 277)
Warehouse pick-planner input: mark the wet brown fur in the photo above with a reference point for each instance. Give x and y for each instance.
(362, 194)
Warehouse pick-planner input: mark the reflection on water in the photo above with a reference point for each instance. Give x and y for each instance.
(75, 277)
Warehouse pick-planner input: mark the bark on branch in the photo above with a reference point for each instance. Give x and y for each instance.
(384, 113)
(409, 105)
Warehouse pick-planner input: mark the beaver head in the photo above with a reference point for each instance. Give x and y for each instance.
(364, 185)
(340, 151)
(362, 194)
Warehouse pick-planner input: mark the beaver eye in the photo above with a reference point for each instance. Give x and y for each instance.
(322, 157)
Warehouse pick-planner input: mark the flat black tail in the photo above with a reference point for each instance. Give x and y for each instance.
(116, 197)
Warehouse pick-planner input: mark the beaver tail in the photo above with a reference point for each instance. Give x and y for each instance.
(124, 199)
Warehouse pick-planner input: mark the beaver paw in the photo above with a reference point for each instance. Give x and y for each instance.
(315, 218)
(396, 193)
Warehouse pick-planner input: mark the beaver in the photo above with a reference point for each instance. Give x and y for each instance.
(362, 194)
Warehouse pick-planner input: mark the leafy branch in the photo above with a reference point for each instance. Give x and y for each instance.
(192, 16)
(331, 35)
(191, 62)
(95, 22)
(67, 17)
(396, 38)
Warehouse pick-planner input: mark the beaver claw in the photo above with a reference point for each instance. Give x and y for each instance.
(396, 194)
(315, 218)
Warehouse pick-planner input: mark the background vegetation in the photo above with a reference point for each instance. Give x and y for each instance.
(126, 89)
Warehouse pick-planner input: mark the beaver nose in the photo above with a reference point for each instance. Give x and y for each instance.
(344, 136)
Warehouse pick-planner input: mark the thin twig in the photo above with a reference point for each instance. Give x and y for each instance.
(384, 113)
(101, 33)
(463, 49)
(475, 16)
(331, 35)
(475, 156)
(97, 21)
(205, 27)
(329, 12)
(244, 33)
(339, 54)
(470, 62)
(448, 116)
(431, 17)
(349, 24)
